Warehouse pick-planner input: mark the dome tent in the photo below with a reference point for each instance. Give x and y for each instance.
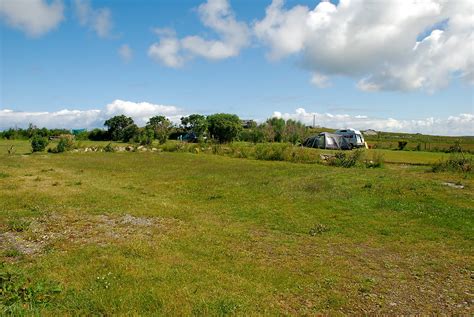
(326, 140)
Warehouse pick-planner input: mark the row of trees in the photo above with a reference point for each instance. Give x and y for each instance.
(28, 133)
(276, 130)
(221, 127)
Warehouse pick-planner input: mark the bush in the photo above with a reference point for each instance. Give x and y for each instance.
(456, 163)
(39, 144)
(351, 159)
(254, 135)
(456, 148)
(98, 135)
(109, 148)
(224, 127)
(130, 132)
(83, 135)
(66, 143)
(145, 136)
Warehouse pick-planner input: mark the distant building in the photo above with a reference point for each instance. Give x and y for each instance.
(370, 132)
(247, 124)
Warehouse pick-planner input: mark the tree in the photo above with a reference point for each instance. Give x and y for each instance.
(268, 132)
(38, 143)
(130, 132)
(161, 127)
(31, 131)
(195, 123)
(224, 127)
(98, 135)
(294, 132)
(145, 136)
(254, 135)
(278, 126)
(116, 126)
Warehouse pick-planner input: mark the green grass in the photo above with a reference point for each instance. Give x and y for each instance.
(233, 236)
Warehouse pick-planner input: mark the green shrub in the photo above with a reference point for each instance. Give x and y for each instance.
(38, 143)
(456, 148)
(66, 143)
(456, 163)
(145, 137)
(18, 225)
(109, 148)
(351, 159)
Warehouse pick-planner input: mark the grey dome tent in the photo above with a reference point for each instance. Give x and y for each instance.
(326, 140)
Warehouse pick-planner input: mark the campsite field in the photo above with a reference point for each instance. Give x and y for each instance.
(200, 234)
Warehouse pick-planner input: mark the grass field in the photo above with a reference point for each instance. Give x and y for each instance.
(187, 234)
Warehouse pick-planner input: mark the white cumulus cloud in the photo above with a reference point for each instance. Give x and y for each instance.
(167, 52)
(70, 119)
(34, 17)
(99, 20)
(385, 45)
(58, 119)
(142, 111)
(462, 124)
(232, 36)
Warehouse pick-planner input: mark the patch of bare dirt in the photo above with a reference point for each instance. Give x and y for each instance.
(81, 229)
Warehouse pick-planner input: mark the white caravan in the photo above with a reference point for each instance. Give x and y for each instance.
(353, 137)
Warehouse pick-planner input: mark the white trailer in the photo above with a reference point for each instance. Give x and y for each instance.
(353, 137)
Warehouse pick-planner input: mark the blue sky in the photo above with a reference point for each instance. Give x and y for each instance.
(75, 64)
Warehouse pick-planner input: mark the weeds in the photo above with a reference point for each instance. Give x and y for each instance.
(11, 253)
(456, 163)
(18, 225)
(19, 293)
(376, 161)
(272, 152)
(318, 229)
